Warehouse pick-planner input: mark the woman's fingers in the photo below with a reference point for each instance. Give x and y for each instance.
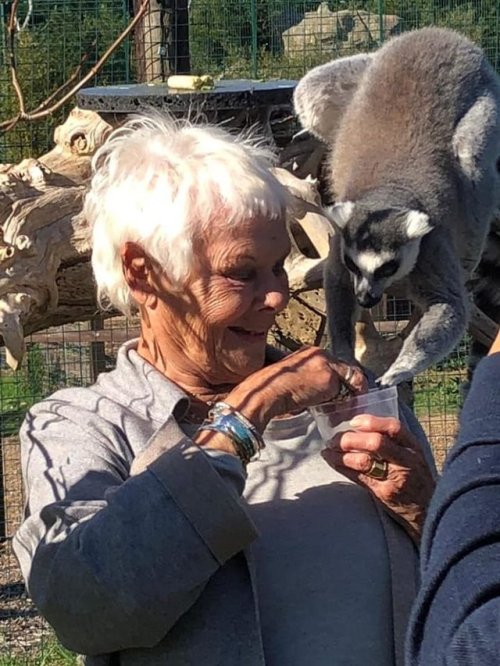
(351, 376)
(407, 483)
(356, 461)
(385, 425)
(374, 444)
(383, 437)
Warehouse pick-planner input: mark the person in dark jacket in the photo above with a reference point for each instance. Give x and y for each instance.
(456, 616)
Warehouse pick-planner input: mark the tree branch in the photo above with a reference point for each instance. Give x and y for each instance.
(47, 108)
(12, 29)
(27, 17)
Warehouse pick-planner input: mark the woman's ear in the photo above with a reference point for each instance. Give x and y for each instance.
(139, 272)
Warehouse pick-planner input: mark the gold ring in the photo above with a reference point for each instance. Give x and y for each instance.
(378, 470)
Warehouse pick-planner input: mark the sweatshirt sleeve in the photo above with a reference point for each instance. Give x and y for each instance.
(112, 561)
(457, 612)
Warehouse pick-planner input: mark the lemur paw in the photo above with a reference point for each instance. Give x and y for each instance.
(393, 377)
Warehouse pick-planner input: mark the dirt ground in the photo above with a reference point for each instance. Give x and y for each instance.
(21, 628)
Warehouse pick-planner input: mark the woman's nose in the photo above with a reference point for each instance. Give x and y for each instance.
(275, 295)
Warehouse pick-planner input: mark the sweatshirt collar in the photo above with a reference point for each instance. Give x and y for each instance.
(150, 393)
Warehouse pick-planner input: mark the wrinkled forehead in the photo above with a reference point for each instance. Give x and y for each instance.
(265, 239)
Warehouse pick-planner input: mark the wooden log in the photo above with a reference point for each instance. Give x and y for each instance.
(45, 275)
(150, 49)
(481, 327)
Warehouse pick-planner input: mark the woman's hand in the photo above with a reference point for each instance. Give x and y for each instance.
(407, 484)
(495, 347)
(308, 377)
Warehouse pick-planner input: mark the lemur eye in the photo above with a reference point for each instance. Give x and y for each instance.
(350, 265)
(387, 270)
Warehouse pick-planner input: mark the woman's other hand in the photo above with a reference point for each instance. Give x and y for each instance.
(495, 347)
(405, 484)
(307, 377)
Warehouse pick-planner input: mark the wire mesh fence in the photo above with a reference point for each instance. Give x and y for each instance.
(260, 39)
(54, 41)
(284, 38)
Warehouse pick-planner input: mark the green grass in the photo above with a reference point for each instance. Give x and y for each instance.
(437, 391)
(37, 378)
(51, 654)
(15, 400)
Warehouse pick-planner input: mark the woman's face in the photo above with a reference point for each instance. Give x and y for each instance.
(216, 328)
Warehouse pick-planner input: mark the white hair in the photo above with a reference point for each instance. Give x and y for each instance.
(159, 182)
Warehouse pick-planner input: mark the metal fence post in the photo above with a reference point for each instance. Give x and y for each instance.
(381, 28)
(253, 7)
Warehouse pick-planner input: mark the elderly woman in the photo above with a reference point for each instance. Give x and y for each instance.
(183, 509)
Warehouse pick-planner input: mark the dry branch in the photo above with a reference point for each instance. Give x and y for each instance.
(11, 30)
(49, 106)
(45, 275)
(481, 327)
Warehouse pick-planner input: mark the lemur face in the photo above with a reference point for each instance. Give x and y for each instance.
(379, 247)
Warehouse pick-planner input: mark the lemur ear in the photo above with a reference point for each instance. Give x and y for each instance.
(417, 224)
(340, 213)
(322, 95)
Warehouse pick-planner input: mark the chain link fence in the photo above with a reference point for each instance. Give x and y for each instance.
(260, 39)
(284, 38)
(55, 40)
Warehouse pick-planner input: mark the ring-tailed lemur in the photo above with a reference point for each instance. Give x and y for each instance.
(414, 130)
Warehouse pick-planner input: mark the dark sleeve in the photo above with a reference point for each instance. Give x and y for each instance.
(111, 560)
(456, 618)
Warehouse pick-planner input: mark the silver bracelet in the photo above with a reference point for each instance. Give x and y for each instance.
(246, 438)
(223, 408)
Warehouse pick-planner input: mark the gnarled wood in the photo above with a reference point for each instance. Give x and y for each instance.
(45, 276)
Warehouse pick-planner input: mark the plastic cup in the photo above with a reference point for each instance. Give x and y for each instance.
(334, 417)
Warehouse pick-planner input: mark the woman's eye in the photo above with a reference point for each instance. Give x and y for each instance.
(241, 275)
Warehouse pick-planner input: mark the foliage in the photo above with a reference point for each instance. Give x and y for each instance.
(39, 376)
(243, 37)
(220, 28)
(438, 391)
(48, 51)
(50, 654)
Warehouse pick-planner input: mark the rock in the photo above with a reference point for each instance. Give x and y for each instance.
(338, 33)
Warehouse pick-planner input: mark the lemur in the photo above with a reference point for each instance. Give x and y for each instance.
(414, 137)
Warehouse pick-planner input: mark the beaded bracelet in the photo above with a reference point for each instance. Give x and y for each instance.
(225, 419)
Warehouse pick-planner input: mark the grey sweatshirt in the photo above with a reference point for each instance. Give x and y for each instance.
(165, 565)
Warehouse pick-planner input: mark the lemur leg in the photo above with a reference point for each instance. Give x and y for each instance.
(438, 290)
(341, 306)
(476, 145)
